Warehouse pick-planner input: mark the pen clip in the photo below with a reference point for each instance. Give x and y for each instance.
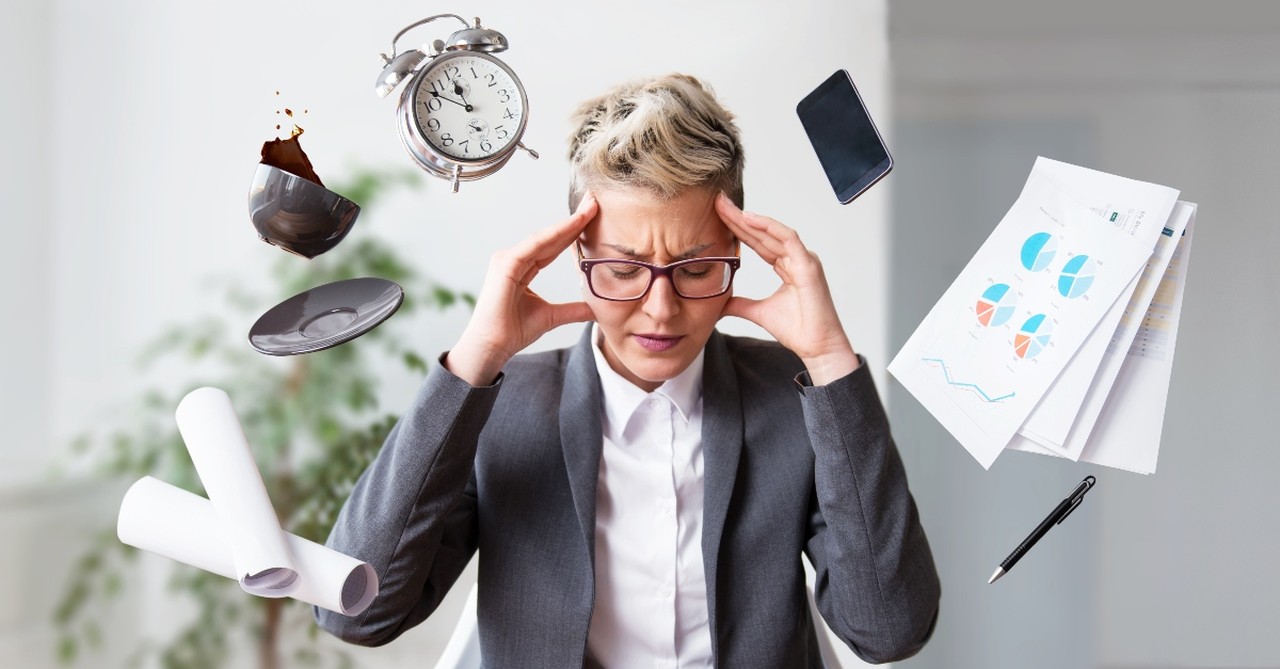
(1071, 508)
(1085, 486)
(1077, 496)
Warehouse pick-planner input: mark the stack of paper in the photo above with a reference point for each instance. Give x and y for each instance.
(236, 533)
(1058, 336)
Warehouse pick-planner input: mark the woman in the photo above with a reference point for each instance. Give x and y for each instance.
(644, 497)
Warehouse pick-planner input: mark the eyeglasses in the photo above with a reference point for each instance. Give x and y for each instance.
(625, 280)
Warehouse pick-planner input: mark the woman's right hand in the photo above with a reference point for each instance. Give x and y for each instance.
(508, 316)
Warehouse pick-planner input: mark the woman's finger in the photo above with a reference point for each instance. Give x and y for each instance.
(765, 232)
(746, 308)
(775, 236)
(542, 248)
(570, 312)
(546, 245)
(733, 218)
(776, 243)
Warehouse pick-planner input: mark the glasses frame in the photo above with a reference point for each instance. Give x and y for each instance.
(585, 264)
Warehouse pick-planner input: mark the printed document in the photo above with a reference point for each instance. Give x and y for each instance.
(1007, 327)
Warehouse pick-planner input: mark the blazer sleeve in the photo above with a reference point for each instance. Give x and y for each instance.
(412, 514)
(876, 584)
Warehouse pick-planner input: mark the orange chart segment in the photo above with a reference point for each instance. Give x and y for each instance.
(985, 310)
(1033, 337)
(996, 306)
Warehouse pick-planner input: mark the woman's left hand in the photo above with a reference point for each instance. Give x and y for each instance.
(800, 314)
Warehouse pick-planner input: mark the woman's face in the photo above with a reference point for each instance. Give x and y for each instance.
(653, 339)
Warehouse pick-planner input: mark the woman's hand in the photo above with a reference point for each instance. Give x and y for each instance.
(508, 315)
(800, 314)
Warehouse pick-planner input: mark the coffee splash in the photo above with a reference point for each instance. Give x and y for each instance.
(287, 154)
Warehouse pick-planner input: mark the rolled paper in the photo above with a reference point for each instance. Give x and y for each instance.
(216, 442)
(179, 525)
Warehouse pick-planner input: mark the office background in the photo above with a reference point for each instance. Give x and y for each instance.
(130, 134)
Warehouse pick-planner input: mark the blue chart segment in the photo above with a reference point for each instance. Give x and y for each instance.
(1038, 251)
(946, 374)
(997, 305)
(1077, 276)
(1032, 338)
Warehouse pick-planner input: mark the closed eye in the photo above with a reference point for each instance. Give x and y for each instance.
(619, 271)
(697, 271)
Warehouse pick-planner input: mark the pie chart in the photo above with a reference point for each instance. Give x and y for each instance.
(1038, 251)
(1032, 338)
(996, 305)
(1077, 276)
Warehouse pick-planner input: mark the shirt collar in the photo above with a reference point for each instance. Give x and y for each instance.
(622, 398)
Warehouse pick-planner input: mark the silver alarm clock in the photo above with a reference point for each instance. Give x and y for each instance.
(463, 111)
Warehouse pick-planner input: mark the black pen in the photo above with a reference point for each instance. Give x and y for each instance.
(1059, 514)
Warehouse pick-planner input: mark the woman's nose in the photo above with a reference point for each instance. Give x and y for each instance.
(662, 303)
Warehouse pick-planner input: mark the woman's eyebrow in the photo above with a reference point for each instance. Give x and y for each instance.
(636, 255)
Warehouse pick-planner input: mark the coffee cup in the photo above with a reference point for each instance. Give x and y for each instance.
(298, 215)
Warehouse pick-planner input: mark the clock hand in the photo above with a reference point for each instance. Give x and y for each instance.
(458, 91)
(460, 104)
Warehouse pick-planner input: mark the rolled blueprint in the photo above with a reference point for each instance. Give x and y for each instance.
(221, 454)
(171, 522)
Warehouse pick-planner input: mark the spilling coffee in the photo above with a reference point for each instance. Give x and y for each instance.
(290, 206)
(287, 154)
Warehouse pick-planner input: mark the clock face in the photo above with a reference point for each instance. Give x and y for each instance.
(468, 107)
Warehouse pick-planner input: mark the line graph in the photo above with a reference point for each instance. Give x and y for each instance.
(960, 384)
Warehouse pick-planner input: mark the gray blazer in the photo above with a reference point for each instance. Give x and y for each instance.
(510, 470)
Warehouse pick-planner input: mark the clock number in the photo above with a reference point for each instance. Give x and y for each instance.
(433, 124)
(434, 104)
(492, 83)
(446, 139)
(456, 72)
(485, 146)
(463, 144)
(506, 97)
(502, 132)
(473, 74)
(509, 114)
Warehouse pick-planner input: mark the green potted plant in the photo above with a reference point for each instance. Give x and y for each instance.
(312, 421)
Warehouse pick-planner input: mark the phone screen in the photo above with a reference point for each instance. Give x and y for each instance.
(842, 134)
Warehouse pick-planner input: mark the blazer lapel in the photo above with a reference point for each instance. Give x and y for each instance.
(580, 434)
(721, 448)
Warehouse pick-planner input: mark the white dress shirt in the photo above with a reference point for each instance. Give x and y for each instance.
(651, 594)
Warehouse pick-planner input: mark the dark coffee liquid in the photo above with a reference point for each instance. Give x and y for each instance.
(287, 154)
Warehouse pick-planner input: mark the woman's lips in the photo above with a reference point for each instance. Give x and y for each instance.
(657, 343)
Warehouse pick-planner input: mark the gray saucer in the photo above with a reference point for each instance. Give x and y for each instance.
(325, 316)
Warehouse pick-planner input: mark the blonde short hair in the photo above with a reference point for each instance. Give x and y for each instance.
(663, 134)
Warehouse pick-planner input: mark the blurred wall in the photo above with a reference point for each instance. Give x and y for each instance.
(25, 172)
(131, 131)
(1175, 569)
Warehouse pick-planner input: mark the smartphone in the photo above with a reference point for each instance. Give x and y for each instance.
(848, 145)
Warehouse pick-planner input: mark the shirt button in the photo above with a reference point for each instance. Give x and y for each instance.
(665, 592)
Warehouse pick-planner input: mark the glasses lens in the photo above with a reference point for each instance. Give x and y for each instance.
(619, 280)
(702, 279)
(628, 281)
